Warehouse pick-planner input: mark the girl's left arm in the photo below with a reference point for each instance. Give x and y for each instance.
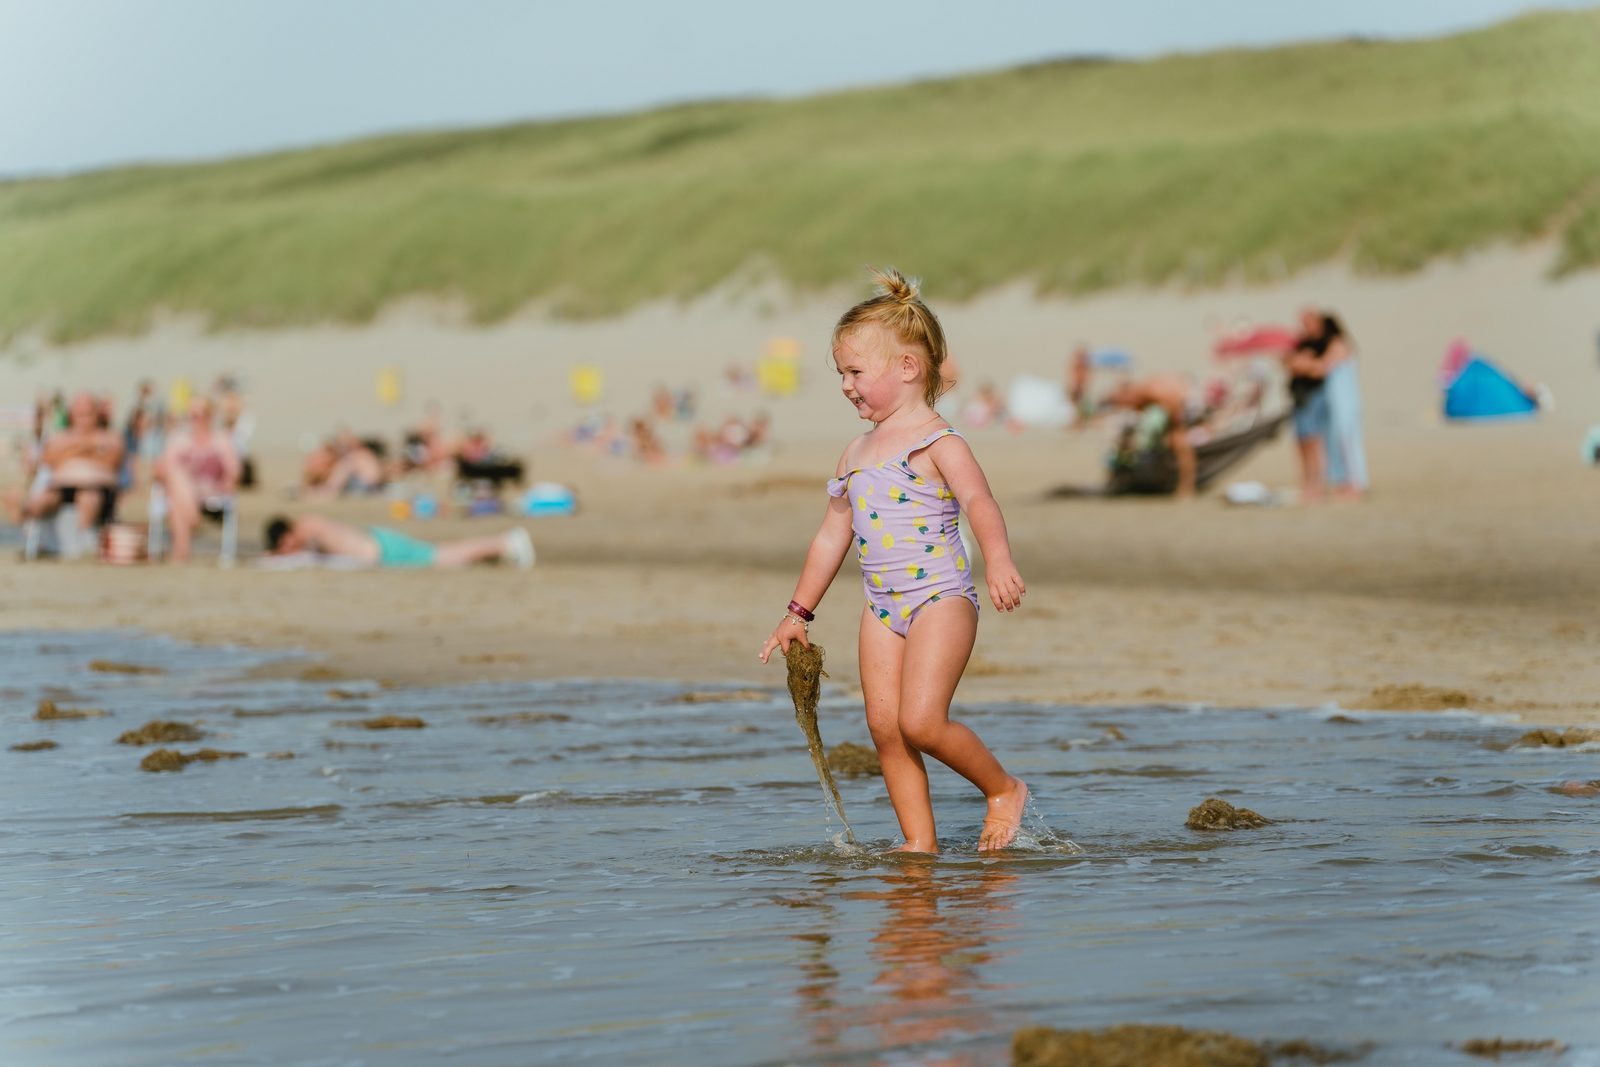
(960, 470)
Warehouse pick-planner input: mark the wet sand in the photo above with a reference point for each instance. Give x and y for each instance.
(1468, 577)
(1470, 573)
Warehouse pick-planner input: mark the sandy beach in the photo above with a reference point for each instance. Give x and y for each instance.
(1467, 579)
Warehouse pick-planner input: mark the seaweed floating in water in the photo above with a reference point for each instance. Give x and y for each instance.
(48, 710)
(158, 731)
(385, 722)
(1495, 1047)
(1573, 735)
(1147, 1046)
(168, 759)
(805, 688)
(107, 666)
(850, 760)
(1215, 814)
(33, 746)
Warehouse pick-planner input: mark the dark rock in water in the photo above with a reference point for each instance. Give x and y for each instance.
(1573, 735)
(1215, 814)
(345, 694)
(1134, 1046)
(162, 759)
(850, 760)
(48, 710)
(106, 666)
(33, 746)
(385, 722)
(158, 731)
(1579, 789)
(1342, 720)
(167, 759)
(1495, 1047)
(280, 755)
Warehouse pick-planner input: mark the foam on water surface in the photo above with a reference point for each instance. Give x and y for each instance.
(603, 871)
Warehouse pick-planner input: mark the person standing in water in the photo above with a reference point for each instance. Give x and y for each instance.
(898, 496)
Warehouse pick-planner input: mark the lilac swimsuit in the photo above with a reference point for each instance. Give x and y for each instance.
(908, 537)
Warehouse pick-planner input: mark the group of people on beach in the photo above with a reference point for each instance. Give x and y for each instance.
(670, 430)
(194, 452)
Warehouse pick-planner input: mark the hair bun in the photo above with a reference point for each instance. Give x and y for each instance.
(896, 286)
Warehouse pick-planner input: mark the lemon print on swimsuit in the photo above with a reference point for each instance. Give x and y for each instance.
(883, 616)
(916, 571)
(961, 563)
(922, 528)
(888, 540)
(877, 580)
(861, 547)
(877, 523)
(905, 613)
(934, 550)
(896, 597)
(901, 497)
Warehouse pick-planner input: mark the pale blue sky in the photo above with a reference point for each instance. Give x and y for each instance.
(92, 82)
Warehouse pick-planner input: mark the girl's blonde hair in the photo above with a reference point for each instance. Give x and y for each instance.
(899, 309)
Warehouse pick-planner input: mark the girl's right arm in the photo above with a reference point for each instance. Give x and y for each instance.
(823, 561)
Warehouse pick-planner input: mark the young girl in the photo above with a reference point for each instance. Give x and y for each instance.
(898, 496)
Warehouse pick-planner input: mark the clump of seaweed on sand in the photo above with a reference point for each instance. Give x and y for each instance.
(385, 722)
(850, 760)
(169, 759)
(48, 710)
(1217, 814)
(805, 688)
(107, 666)
(159, 731)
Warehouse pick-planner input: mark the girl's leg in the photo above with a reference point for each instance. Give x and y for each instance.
(937, 648)
(881, 653)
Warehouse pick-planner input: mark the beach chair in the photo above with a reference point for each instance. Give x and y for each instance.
(59, 532)
(223, 508)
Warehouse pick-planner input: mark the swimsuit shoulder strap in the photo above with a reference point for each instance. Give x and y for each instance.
(947, 431)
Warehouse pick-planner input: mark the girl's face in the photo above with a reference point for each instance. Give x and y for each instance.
(874, 374)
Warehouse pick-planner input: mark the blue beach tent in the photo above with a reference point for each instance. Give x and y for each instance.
(1481, 390)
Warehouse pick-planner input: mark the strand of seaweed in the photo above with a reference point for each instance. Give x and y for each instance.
(805, 689)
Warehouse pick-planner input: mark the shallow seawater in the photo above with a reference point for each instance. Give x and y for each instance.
(555, 873)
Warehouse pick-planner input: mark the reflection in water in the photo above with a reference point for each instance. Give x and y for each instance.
(938, 928)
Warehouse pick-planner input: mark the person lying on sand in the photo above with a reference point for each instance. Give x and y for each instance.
(381, 547)
(1171, 394)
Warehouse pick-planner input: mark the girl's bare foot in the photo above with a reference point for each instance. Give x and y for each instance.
(912, 846)
(1004, 816)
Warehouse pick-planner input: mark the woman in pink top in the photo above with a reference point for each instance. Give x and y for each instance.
(898, 497)
(199, 465)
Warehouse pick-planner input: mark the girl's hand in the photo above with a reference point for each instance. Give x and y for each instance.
(783, 635)
(1005, 586)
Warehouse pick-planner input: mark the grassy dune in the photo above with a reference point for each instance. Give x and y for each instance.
(1073, 176)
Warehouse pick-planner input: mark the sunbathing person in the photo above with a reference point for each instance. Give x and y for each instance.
(77, 467)
(198, 468)
(344, 465)
(381, 547)
(1171, 396)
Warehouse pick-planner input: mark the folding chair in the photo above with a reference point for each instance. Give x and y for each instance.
(225, 505)
(59, 531)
